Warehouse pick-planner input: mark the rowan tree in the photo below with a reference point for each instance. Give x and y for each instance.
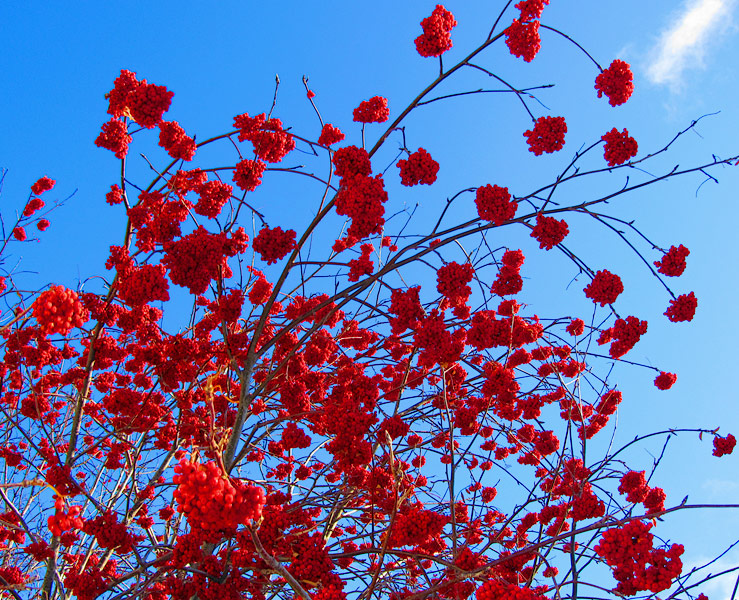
(355, 408)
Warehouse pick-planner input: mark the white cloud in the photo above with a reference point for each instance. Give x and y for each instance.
(685, 40)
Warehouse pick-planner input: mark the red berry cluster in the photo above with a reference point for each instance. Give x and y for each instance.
(213, 197)
(624, 335)
(548, 135)
(437, 29)
(140, 285)
(59, 310)
(248, 174)
(509, 279)
(330, 135)
(619, 147)
(406, 305)
(635, 486)
(260, 291)
(274, 244)
(452, 280)
(418, 168)
(616, 82)
(175, 141)
(673, 262)
(362, 199)
(42, 185)
(271, 142)
(114, 137)
(144, 102)
(636, 564)
(351, 162)
(604, 288)
(522, 39)
(494, 204)
(196, 259)
(531, 9)
(62, 521)
(723, 445)
(682, 308)
(549, 231)
(664, 381)
(211, 501)
(374, 110)
(361, 266)
(32, 206)
(576, 327)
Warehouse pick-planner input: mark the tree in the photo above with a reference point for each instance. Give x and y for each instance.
(326, 419)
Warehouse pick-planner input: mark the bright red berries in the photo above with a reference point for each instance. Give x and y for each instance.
(42, 185)
(19, 233)
(114, 137)
(175, 141)
(604, 288)
(548, 135)
(352, 161)
(531, 9)
(549, 231)
(664, 381)
(274, 244)
(494, 204)
(330, 135)
(248, 174)
(144, 102)
(374, 110)
(523, 39)
(212, 501)
(682, 308)
(436, 37)
(509, 279)
(419, 168)
(270, 141)
(62, 520)
(673, 263)
(723, 445)
(619, 147)
(616, 82)
(59, 310)
(576, 327)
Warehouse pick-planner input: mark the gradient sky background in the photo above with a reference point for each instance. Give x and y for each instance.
(57, 59)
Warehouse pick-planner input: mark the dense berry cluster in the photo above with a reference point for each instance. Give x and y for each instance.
(248, 174)
(144, 102)
(64, 520)
(623, 336)
(196, 259)
(522, 39)
(330, 135)
(549, 231)
(213, 197)
(723, 445)
(548, 135)
(418, 168)
(673, 263)
(59, 310)
(664, 381)
(211, 501)
(616, 82)
(509, 279)
(374, 110)
(114, 137)
(531, 9)
(604, 288)
(274, 244)
(682, 308)
(271, 142)
(619, 147)
(636, 564)
(494, 204)
(42, 185)
(143, 284)
(175, 141)
(437, 29)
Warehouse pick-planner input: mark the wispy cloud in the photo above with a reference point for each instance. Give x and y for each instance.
(686, 39)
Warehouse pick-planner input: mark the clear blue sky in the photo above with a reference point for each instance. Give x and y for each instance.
(57, 59)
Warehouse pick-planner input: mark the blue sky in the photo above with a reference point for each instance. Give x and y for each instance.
(57, 59)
